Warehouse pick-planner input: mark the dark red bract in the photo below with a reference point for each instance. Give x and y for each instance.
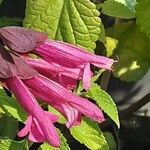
(20, 39)
(13, 65)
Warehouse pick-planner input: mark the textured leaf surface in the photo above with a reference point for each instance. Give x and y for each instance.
(64, 145)
(5, 21)
(89, 134)
(11, 106)
(104, 101)
(73, 21)
(143, 16)
(7, 144)
(8, 127)
(117, 9)
(133, 52)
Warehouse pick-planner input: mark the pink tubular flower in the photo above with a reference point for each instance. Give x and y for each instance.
(63, 100)
(73, 57)
(39, 124)
(65, 76)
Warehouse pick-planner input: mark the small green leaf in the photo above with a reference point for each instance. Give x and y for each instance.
(73, 21)
(89, 134)
(5, 21)
(132, 50)
(143, 15)
(110, 140)
(116, 9)
(104, 101)
(64, 145)
(7, 144)
(8, 127)
(110, 45)
(11, 106)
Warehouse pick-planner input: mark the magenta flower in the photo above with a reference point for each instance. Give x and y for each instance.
(39, 124)
(47, 80)
(73, 57)
(63, 100)
(65, 76)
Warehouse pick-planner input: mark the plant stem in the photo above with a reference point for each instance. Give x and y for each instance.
(134, 107)
(105, 80)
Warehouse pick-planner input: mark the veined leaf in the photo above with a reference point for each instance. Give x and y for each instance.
(64, 145)
(104, 101)
(89, 134)
(11, 106)
(117, 9)
(73, 21)
(7, 144)
(132, 50)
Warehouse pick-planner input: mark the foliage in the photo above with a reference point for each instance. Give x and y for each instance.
(84, 23)
(73, 21)
(90, 134)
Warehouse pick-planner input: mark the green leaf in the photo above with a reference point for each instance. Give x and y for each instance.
(110, 45)
(110, 140)
(104, 101)
(73, 21)
(7, 144)
(143, 15)
(5, 21)
(64, 145)
(89, 134)
(117, 9)
(132, 50)
(11, 106)
(129, 3)
(8, 127)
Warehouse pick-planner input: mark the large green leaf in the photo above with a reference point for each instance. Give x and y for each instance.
(104, 101)
(11, 106)
(143, 16)
(73, 21)
(8, 127)
(64, 145)
(7, 144)
(133, 52)
(117, 9)
(90, 135)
